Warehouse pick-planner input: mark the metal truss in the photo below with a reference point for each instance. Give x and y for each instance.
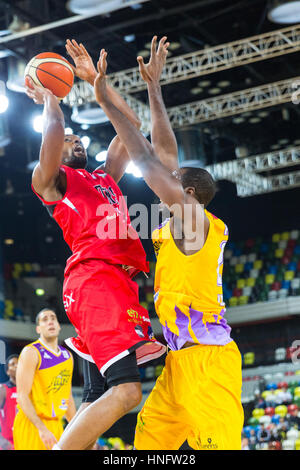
(275, 183)
(205, 110)
(213, 59)
(245, 172)
(238, 102)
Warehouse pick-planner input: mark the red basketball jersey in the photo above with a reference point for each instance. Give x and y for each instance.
(8, 412)
(94, 218)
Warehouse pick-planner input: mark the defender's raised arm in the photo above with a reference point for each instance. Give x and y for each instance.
(162, 135)
(159, 179)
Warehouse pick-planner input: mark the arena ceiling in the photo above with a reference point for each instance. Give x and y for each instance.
(190, 27)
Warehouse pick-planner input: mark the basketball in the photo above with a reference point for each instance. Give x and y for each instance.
(51, 71)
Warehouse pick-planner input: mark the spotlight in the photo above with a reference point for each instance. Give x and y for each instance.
(129, 38)
(9, 241)
(101, 156)
(133, 170)
(39, 292)
(38, 123)
(85, 141)
(284, 12)
(3, 103)
(89, 113)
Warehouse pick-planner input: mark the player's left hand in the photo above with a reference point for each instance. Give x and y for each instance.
(100, 80)
(85, 68)
(151, 72)
(37, 93)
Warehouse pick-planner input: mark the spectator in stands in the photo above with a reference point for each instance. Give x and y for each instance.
(284, 397)
(293, 419)
(263, 435)
(274, 445)
(252, 440)
(245, 444)
(275, 432)
(259, 401)
(282, 423)
(282, 431)
(271, 400)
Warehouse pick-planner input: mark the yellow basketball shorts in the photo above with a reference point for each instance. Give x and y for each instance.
(26, 435)
(197, 397)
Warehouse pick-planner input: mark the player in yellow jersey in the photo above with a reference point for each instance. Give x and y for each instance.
(198, 395)
(44, 393)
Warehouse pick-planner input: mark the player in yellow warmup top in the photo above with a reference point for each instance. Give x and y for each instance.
(44, 379)
(198, 395)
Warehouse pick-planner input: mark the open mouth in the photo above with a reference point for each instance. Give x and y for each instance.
(78, 150)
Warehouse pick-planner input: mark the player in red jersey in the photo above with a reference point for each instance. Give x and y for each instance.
(100, 297)
(8, 403)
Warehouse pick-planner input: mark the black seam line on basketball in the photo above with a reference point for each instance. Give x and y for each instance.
(54, 76)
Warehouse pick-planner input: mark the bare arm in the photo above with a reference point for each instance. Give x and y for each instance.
(117, 156)
(140, 150)
(71, 411)
(47, 171)
(27, 365)
(162, 135)
(117, 159)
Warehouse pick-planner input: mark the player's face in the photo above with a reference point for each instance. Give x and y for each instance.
(12, 367)
(74, 153)
(48, 326)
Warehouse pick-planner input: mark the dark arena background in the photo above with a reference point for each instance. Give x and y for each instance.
(231, 90)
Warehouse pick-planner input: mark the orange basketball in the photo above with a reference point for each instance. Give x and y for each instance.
(51, 71)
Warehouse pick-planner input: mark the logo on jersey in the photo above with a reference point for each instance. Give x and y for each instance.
(135, 317)
(59, 381)
(64, 404)
(209, 445)
(68, 300)
(46, 356)
(108, 193)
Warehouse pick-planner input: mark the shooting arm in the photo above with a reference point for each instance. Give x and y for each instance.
(46, 172)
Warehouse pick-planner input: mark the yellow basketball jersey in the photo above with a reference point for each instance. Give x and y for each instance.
(52, 382)
(188, 289)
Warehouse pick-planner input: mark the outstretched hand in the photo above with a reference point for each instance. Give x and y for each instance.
(37, 93)
(151, 72)
(84, 66)
(100, 80)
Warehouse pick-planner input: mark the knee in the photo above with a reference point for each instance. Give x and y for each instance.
(129, 394)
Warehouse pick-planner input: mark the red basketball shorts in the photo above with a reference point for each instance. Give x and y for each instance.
(102, 303)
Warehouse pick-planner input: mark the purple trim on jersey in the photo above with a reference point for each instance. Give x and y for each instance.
(163, 224)
(206, 333)
(48, 359)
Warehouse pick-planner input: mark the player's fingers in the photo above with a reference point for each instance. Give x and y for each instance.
(140, 61)
(83, 49)
(76, 47)
(71, 49)
(161, 45)
(153, 45)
